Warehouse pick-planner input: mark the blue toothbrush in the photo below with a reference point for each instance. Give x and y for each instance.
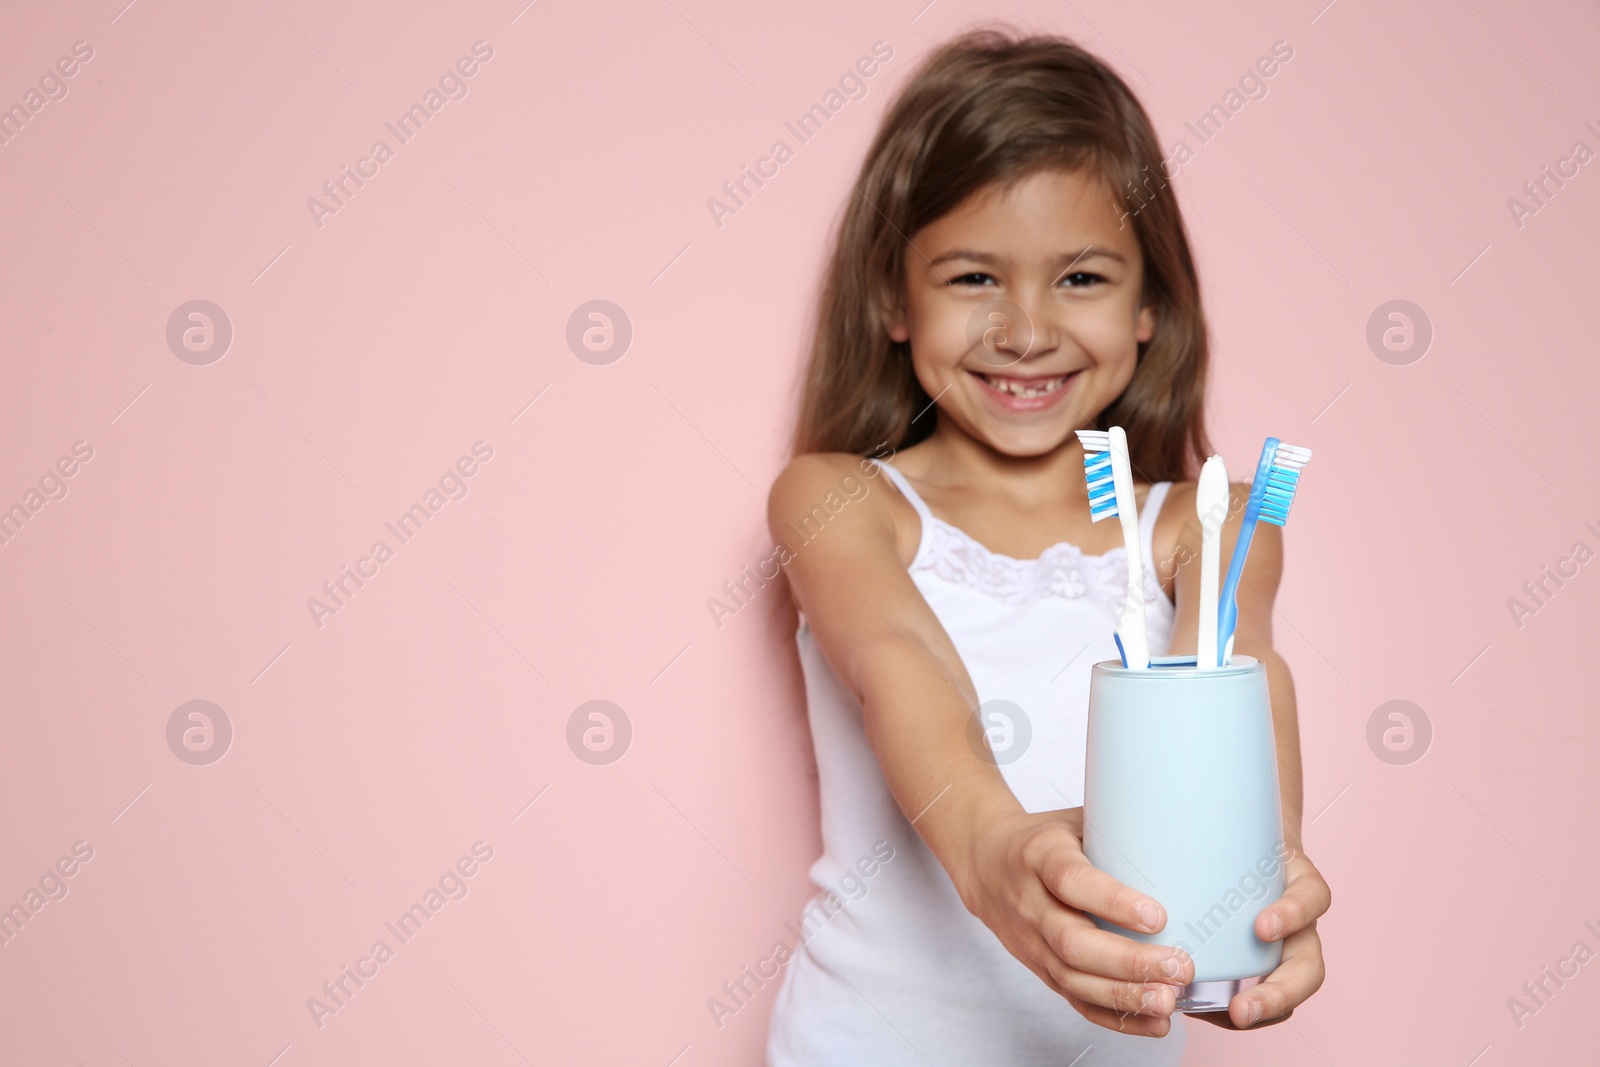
(1108, 473)
(1277, 476)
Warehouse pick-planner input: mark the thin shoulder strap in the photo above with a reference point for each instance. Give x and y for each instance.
(1147, 519)
(925, 516)
(901, 483)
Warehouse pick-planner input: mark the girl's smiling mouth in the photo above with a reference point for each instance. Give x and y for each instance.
(1018, 393)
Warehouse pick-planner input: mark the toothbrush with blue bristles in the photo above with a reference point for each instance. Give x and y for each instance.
(1277, 477)
(1109, 475)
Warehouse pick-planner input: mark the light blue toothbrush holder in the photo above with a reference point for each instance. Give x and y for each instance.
(1181, 802)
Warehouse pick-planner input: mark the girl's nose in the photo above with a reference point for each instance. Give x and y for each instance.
(1006, 332)
(1041, 328)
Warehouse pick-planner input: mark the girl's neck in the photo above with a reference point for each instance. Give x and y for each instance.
(953, 458)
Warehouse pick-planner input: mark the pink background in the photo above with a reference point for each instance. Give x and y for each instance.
(368, 754)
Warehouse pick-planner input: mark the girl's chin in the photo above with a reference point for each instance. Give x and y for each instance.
(1024, 444)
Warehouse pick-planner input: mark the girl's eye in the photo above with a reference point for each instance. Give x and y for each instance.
(1082, 278)
(974, 278)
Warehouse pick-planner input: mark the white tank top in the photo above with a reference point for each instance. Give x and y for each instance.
(889, 968)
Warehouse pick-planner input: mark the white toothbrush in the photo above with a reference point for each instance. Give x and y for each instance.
(1211, 506)
(1110, 480)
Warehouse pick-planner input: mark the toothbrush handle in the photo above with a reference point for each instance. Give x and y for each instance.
(1135, 638)
(1208, 648)
(1228, 614)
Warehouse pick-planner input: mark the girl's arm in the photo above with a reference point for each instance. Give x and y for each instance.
(1293, 917)
(1023, 874)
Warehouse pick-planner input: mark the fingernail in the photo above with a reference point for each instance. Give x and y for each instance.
(1255, 1013)
(1170, 966)
(1149, 914)
(1147, 1002)
(1274, 926)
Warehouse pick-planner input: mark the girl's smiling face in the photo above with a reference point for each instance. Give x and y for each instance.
(1024, 310)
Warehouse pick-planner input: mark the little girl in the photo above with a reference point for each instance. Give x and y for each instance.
(1013, 267)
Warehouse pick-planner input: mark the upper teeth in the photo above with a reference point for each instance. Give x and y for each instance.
(1016, 387)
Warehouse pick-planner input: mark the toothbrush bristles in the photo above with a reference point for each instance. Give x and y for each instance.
(1292, 456)
(1282, 480)
(1095, 440)
(1097, 473)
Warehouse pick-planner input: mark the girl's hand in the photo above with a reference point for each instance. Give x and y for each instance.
(1030, 883)
(1292, 918)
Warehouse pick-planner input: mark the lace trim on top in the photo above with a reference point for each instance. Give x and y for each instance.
(1062, 571)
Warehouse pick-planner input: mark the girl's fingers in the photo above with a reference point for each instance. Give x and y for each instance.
(1123, 1023)
(1297, 977)
(1035, 954)
(1082, 946)
(1078, 884)
(1305, 899)
(1121, 999)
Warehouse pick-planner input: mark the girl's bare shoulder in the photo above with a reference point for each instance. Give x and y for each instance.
(836, 489)
(828, 480)
(818, 472)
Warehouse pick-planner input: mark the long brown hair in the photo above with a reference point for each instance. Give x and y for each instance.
(989, 108)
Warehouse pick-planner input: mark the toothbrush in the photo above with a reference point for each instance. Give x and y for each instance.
(1110, 481)
(1277, 476)
(1211, 505)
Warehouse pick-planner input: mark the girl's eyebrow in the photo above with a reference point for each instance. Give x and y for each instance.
(989, 258)
(1092, 252)
(968, 253)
